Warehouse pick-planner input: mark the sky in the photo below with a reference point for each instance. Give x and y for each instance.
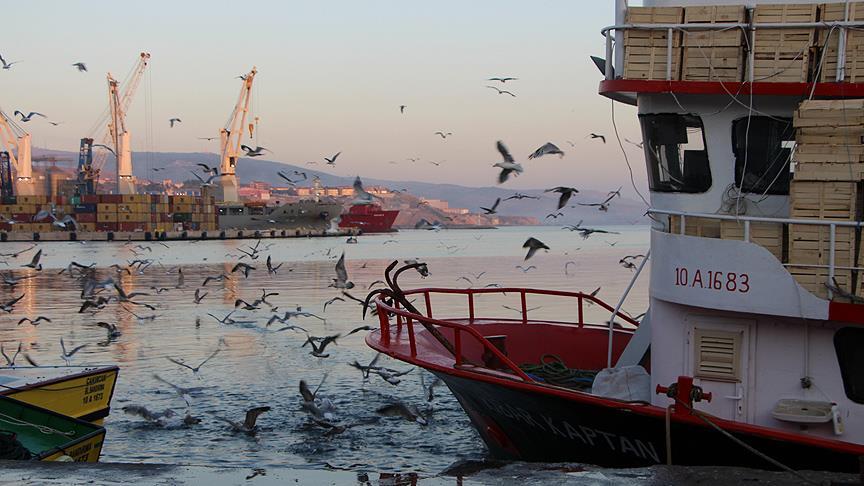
(331, 77)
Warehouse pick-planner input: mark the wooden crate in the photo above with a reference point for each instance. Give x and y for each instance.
(828, 42)
(811, 245)
(766, 235)
(836, 171)
(814, 279)
(650, 63)
(783, 55)
(824, 200)
(701, 227)
(713, 55)
(645, 51)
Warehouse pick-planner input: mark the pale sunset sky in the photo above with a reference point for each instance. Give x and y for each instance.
(332, 75)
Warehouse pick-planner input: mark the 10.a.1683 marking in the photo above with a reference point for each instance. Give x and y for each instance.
(712, 280)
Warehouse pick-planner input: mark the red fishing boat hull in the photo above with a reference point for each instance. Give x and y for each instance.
(521, 417)
(369, 218)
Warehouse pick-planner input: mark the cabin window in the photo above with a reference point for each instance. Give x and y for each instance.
(675, 151)
(762, 156)
(848, 343)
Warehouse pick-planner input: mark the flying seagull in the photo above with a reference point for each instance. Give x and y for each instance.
(67, 355)
(443, 134)
(256, 152)
(493, 209)
(508, 166)
(7, 65)
(82, 68)
(502, 91)
(332, 160)
(548, 148)
(533, 244)
(249, 423)
(594, 135)
(402, 108)
(566, 194)
(172, 121)
(503, 80)
(341, 281)
(27, 118)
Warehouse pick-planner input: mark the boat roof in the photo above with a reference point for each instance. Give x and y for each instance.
(13, 378)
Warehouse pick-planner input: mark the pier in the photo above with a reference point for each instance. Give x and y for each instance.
(232, 234)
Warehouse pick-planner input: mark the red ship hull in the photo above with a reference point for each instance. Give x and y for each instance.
(369, 218)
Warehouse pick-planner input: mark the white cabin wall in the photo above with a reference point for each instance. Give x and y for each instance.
(718, 140)
(776, 361)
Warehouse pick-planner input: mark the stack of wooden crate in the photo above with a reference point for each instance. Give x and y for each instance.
(713, 55)
(829, 40)
(827, 185)
(646, 51)
(783, 55)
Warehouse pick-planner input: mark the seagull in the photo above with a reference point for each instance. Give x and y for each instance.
(601, 137)
(249, 423)
(519, 195)
(18, 253)
(567, 267)
(219, 278)
(112, 330)
(361, 328)
(526, 269)
(554, 215)
(7, 65)
(402, 108)
(366, 369)
(566, 194)
(172, 121)
(257, 151)
(341, 281)
(508, 166)
(533, 244)
(399, 409)
(604, 206)
(34, 263)
(637, 144)
(29, 116)
(199, 296)
(332, 160)
(334, 299)
(246, 269)
(184, 393)
(318, 344)
(502, 91)
(493, 209)
(82, 68)
(209, 181)
(209, 139)
(548, 148)
(361, 196)
(444, 135)
(271, 270)
(34, 322)
(627, 262)
(196, 368)
(67, 355)
(163, 419)
(319, 408)
(10, 361)
(503, 80)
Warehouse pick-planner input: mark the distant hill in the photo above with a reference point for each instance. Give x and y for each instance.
(177, 167)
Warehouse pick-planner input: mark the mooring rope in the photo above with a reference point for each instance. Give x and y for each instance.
(552, 369)
(41, 428)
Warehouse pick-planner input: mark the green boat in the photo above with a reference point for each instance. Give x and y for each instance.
(31, 433)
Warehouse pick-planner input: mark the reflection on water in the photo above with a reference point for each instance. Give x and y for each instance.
(257, 366)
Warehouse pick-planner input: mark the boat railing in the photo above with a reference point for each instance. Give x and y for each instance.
(407, 320)
(748, 28)
(678, 225)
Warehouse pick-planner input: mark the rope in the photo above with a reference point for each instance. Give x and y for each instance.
(552, 369)
(41, 428)
(11, 448)
(626, 159)
(748, 447)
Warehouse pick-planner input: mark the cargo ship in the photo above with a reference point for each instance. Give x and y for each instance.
(314, 214)
(749, 354)
(369, 218)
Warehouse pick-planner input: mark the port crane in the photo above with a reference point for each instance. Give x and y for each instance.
(231, 139)
(117, 136)
(16, 154)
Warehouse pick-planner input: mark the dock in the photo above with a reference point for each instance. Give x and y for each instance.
(232, 234)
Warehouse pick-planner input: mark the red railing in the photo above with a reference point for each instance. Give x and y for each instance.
(407, 319)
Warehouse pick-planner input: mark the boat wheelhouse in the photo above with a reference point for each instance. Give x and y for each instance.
(752, 119)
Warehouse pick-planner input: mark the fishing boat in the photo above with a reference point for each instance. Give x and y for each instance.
(304, 214)
(750, 352)
(80, 392)
(32, 433)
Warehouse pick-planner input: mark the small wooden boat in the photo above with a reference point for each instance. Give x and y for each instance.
(32, 433)
(82, 392)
